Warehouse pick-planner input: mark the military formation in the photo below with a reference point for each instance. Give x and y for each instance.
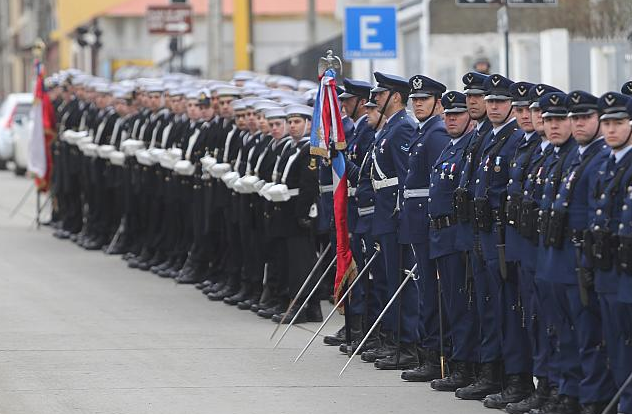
(511, 202)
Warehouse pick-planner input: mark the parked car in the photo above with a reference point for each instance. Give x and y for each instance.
(22, 130)
(15, 106)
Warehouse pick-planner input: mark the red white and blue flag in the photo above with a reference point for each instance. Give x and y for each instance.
(40, 159)
(326, 129)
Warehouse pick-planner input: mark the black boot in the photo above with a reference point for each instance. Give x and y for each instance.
(488, 382)
(387, 348)
(313, 311)
(406, 358)
(461, 375)
(536, 400)
(337, 338)
(239, 296)
(196, 275)
(565, 405)
(597, 408)
(286, 317)
(550, 404)
(268, 313)
(372, 342)
(430, 368)
(519, 387)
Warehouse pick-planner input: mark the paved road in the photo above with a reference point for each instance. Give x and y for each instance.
(82, 333)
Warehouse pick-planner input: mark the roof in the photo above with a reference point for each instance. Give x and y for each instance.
(132, 8)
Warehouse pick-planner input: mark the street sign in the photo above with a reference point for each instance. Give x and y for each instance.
(528, 3)
(511, 3)
(370, 32)
(477, 2)
(173, 19)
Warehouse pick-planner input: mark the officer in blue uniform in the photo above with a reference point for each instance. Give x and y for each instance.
(557, 129)
(468, 241)
(534, 293)
(353, 99)
(360, 185)
(583, 376)
(606, 208)
(457, 301)
(489, 204)
(625, 290)
(389, 170)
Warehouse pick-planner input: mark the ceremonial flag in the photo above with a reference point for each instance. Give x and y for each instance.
(40, 158)
(327, 128)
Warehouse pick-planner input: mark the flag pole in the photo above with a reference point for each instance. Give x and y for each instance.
(39, 209)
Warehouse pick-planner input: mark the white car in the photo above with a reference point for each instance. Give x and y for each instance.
(22, 130)
(15, 106)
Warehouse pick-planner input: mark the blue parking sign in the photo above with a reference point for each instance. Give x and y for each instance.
(370, 33)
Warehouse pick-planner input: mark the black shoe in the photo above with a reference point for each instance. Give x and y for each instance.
(94, 244)
(337, 338)
(387, 348)
(461, 375)
(191, 278)
(373, 342)
(216, 287)
(550, 405)
(487, 383)
(313, 312)
(162, 266)
(597, 408)
(237, 297)
(203, 284)
(218, 296)
(536, 400)
(565, 405)
(519, 387)
(430, 368)
(246, 304)
(406, 358)
(268, 313)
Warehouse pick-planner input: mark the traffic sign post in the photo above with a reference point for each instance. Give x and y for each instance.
(173, 19)
(502, 16)
(370, 33)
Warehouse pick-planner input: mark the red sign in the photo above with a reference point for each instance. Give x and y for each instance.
(174, 19)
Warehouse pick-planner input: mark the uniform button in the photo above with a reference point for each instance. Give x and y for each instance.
(431, 184)
(511, 181)
(394, 193)
(625, 207)
(526, 193)
(557, 197)
(621, 226)
(598, 212)
(478, 181)
(508, 198)
(429, 200)
(420, 204)
(529, 176)
(543, 196)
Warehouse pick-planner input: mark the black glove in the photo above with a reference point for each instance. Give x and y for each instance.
(305, 223)
(333, 152)
(587, 277)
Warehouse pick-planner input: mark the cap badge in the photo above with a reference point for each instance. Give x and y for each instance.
(495, 80)
(610, 100)
(629, 85)
(522, 90)
(418, 83)
(539, 90)
(554, 100)
(451, 97)
(575, 98)
(469, 78)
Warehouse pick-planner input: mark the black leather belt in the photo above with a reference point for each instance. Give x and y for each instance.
(442, 222)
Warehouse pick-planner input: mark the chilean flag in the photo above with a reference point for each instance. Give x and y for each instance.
(40, 159)
(327, 128)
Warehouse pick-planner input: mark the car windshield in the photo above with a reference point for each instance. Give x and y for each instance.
(22, 110)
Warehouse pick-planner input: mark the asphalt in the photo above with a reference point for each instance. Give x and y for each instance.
(82, 333)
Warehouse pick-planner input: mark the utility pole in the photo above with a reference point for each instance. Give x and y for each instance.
(214, 39)
(311, 23)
